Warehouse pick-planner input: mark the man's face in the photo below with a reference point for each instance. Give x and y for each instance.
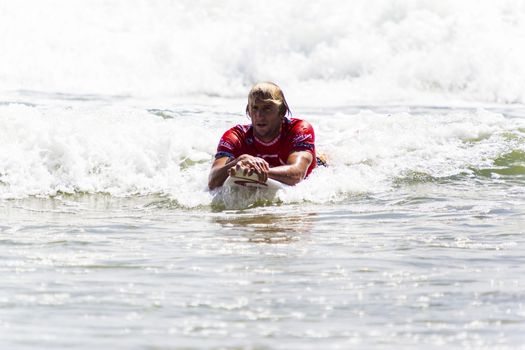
(266, 119)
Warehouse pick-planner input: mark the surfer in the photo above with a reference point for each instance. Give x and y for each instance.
(272, 146)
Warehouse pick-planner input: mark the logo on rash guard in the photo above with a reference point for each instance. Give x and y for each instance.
(268, 156)
(226, 144)
(301, 138)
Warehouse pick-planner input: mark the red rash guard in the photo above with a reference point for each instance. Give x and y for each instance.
(296, 135)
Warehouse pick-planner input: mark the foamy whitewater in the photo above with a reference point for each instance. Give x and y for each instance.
(321, 52)
(119, 151)
(413, 237)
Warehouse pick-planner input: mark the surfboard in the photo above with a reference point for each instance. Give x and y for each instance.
(241, 192)
(253, 182)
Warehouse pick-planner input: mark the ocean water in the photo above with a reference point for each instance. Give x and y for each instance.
(413, 237)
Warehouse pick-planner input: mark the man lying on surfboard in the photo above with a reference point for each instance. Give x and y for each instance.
(272, 146)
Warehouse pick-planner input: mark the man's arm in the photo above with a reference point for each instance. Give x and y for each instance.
(291, 174)
(295, 170)
(219, 171)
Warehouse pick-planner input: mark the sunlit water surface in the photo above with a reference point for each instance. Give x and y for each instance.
(428, 264)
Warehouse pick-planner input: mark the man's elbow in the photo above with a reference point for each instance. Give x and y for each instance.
(300, 169)
(212, 184)
(296, 178)
(294, 182)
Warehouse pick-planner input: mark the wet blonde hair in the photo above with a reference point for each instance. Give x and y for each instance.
(268, 92)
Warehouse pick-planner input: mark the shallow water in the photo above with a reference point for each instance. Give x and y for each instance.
(433, 264)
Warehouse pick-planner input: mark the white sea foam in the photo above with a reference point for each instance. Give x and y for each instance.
(127, 151)
(117, 151)
(322, 52)
(369, 152)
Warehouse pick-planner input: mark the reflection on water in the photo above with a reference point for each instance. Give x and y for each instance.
(268, 227)
(426, 263)
(228, 198)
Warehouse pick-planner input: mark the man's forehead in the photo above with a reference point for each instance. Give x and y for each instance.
(262, 102)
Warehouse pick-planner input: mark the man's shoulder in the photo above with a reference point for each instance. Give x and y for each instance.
(239, 130)
(300, 134)
(299, 125)
(243, 128)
